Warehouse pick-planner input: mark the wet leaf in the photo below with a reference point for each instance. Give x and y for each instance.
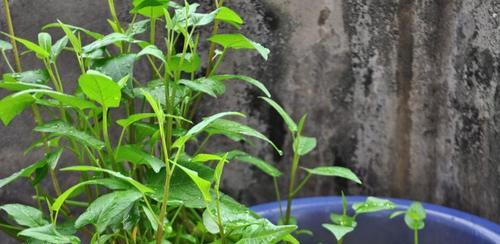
(334, 171)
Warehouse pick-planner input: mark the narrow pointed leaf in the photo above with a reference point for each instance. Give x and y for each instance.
(248, 79)
(39, 51)
(136, 155)
(25, 215)
(259, 163)
(62, 129)
(334, 171)
(108, 209)
(289, 121)
(304, 144)
(239, 41)
(142, 188)
(223, 126)
(373, 204)
(210, 87)
(49, 234)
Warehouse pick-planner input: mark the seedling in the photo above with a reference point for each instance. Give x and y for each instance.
(302, 145)
(343, 224)
(414, 218)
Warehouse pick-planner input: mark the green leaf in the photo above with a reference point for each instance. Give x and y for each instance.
(415, 216)
(229, 16)
(303, 145)
(211, 87)
(100, 89)
(39, 51)
(52, 158)
(111, 183)
(69, 100)
(203, 185)
(248, 79)
(267, 234)
(134, 118)
(259, 163)
(203, 157)
(75, 42)
(26, 172)
(188, 62)
(218, 172)
(153, 51)
(4, 46)
(372, 204)
(182, 188)
(61, 128)
(142, 188)
(49, 234)
(334, 171)
(19, 86)
(239, 41)
(45, 41)
(201, 126)
(107, 40)
(337, 230)
(108, 209)
(57, 48)
(116, 67)
(289, 121)
(138, 27)
(64, 99)
(12, 105)
(39, 76)
(150, 8)
(136, 155)
(61, 25)
(229, 127)
(25, 215)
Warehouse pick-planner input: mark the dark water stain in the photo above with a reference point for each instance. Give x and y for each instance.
(324, 14)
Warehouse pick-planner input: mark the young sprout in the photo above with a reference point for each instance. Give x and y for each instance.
(414, 218)
(343, 224)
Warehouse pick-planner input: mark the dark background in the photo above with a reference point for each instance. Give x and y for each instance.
(403, 92)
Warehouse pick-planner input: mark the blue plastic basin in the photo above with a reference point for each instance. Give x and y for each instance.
(443, 225)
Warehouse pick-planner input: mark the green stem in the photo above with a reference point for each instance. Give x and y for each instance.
(301, 184)
(166, 187)
(105, 135)
(415, 236)
(10, 26)
(291, 187)
(219, 220)
(278, 196)
(7, 61)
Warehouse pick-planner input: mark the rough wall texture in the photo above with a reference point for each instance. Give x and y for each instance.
(404, 92)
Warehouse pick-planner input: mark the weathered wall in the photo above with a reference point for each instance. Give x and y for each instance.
(404, 92)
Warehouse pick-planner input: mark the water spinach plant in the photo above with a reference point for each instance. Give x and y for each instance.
(155, 182)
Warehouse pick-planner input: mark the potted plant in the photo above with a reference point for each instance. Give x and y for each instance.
(154, 182)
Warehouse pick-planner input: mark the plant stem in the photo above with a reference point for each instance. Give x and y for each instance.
(219, 220)
(415, 236)
(301, 184)
(291, 187)
(278, 196)
(105, 135)
(166, 187)
(10, 26)
(7, 61)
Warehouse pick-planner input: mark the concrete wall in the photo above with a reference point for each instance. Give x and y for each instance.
(403, 92)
